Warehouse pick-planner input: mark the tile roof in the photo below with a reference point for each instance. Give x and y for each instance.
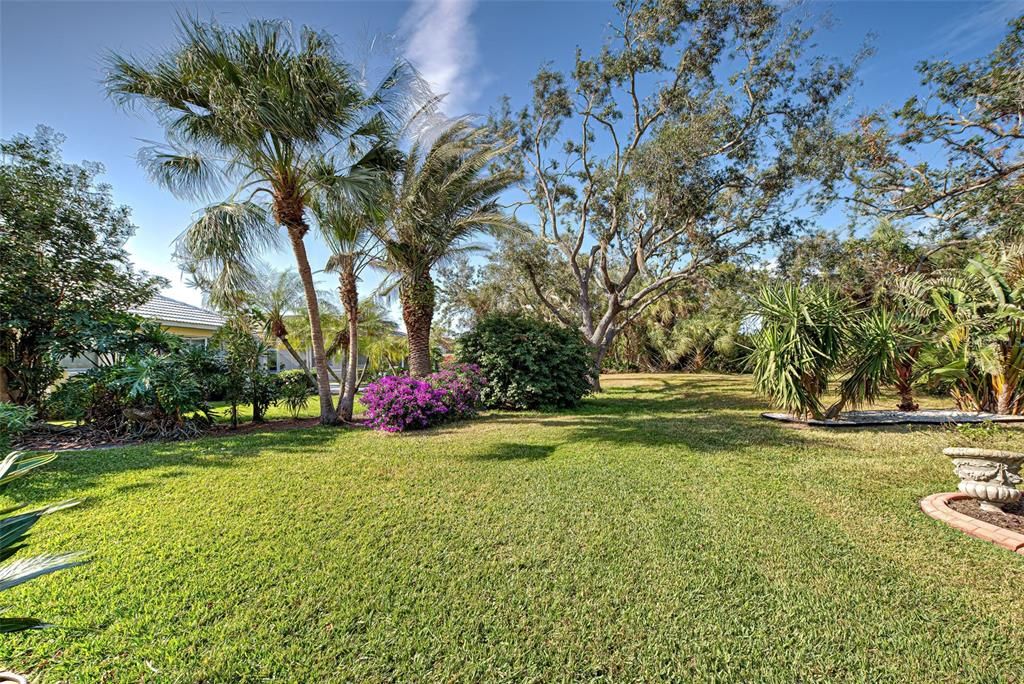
(167, 310)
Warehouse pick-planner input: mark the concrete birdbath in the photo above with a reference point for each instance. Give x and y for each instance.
(988, 475)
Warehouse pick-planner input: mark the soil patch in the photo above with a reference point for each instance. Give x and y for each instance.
(1012, 517)
(84, 439)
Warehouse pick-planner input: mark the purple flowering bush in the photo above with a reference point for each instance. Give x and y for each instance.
(396, 403)
(460, 385)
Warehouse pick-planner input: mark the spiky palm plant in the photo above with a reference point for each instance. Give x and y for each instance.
(885, 344)
(14, 530)
(446, 193)
(271, 118)
(801, 342)
(697, 339)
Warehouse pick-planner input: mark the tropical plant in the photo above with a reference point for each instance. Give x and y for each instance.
(14, 532)
(246, 379)
(349, 232)
(395, 403)
(445, 195)
(294, 388)
(802, 341)
(66, 273)
(698, 340)
(14, 420)
(461, 386)
(276, 297)
(980, 313)
(529, 363)
(276, 117)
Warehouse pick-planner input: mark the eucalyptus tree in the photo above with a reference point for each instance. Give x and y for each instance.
(682, 144)
(444, 195)
(953, 159)
(266, 119)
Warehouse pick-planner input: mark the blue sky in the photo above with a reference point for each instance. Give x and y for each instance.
(51, 65)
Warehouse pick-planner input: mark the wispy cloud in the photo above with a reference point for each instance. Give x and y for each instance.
(977, 24)
(441, 43)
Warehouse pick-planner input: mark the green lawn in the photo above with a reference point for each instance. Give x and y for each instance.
(661, 532)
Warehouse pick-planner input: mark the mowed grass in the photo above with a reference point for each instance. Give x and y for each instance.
(661, 532)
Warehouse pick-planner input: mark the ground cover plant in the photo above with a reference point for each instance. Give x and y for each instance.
(662, 531)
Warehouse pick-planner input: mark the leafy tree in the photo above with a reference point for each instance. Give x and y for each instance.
(527, 363)
(246, 379)
(955, 157)
(681, 145)
(861, 267)
(445, 195)
(277, 119)
(66, 278)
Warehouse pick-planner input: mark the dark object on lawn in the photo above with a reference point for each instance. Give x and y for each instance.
(855, 419)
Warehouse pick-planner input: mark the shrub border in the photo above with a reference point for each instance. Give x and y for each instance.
(937, 506)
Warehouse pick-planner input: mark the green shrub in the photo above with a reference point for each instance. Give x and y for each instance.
(294, 388)
(70, 399)
(528, 363)
(14, 420)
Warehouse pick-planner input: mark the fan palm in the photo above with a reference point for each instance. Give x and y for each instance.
(273, 117)
(444, 195)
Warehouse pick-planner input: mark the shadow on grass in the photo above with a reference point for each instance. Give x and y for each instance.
(508, 451)
(74, 473)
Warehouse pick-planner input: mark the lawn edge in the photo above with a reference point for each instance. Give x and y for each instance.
(937, 506)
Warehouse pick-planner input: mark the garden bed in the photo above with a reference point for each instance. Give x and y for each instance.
(83, 438)
(853, 419)
(961, 512)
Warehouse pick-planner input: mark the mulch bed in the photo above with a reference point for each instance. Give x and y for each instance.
(84, 439)
(881, 418)
(1012, 517)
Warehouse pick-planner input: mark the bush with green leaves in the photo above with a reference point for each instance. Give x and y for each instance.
(247, 380)
(70, 400)
(294, 388)
(528, 363)
(14, 420)
(14, 531)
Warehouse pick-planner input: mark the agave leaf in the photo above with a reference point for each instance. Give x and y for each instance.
(25, 569)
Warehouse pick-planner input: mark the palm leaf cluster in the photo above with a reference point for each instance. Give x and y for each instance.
(15, 525)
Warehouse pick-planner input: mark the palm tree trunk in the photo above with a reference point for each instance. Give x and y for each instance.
(296, 229)
(417, 294)
(350, 301)
(295, 355)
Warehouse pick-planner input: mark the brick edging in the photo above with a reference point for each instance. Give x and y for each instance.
(937, 506)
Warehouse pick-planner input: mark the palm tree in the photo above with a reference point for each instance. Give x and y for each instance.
(278, 296)
(274, 117)
(347, 229)
(443, 196)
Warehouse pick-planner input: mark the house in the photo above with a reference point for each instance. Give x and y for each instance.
(194, 324)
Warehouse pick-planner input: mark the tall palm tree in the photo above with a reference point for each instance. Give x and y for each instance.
(347, 229)
(271, 116)
(444, 195)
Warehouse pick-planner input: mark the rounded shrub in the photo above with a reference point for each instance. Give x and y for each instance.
(399, 402)
(528, 363)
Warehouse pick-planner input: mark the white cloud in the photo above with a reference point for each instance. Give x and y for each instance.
(441, 43)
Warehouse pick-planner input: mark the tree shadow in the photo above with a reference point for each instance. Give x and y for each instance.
(509, 451)
(73, 474)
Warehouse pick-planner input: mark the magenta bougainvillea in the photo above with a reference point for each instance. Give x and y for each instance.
(396, 403)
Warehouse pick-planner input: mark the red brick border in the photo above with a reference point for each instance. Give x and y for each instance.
(937, 506)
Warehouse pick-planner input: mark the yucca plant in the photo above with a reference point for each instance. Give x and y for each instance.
(14, 530)
(884, 347)
(802, 341)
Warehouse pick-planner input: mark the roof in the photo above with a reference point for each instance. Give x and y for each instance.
(171, 311)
